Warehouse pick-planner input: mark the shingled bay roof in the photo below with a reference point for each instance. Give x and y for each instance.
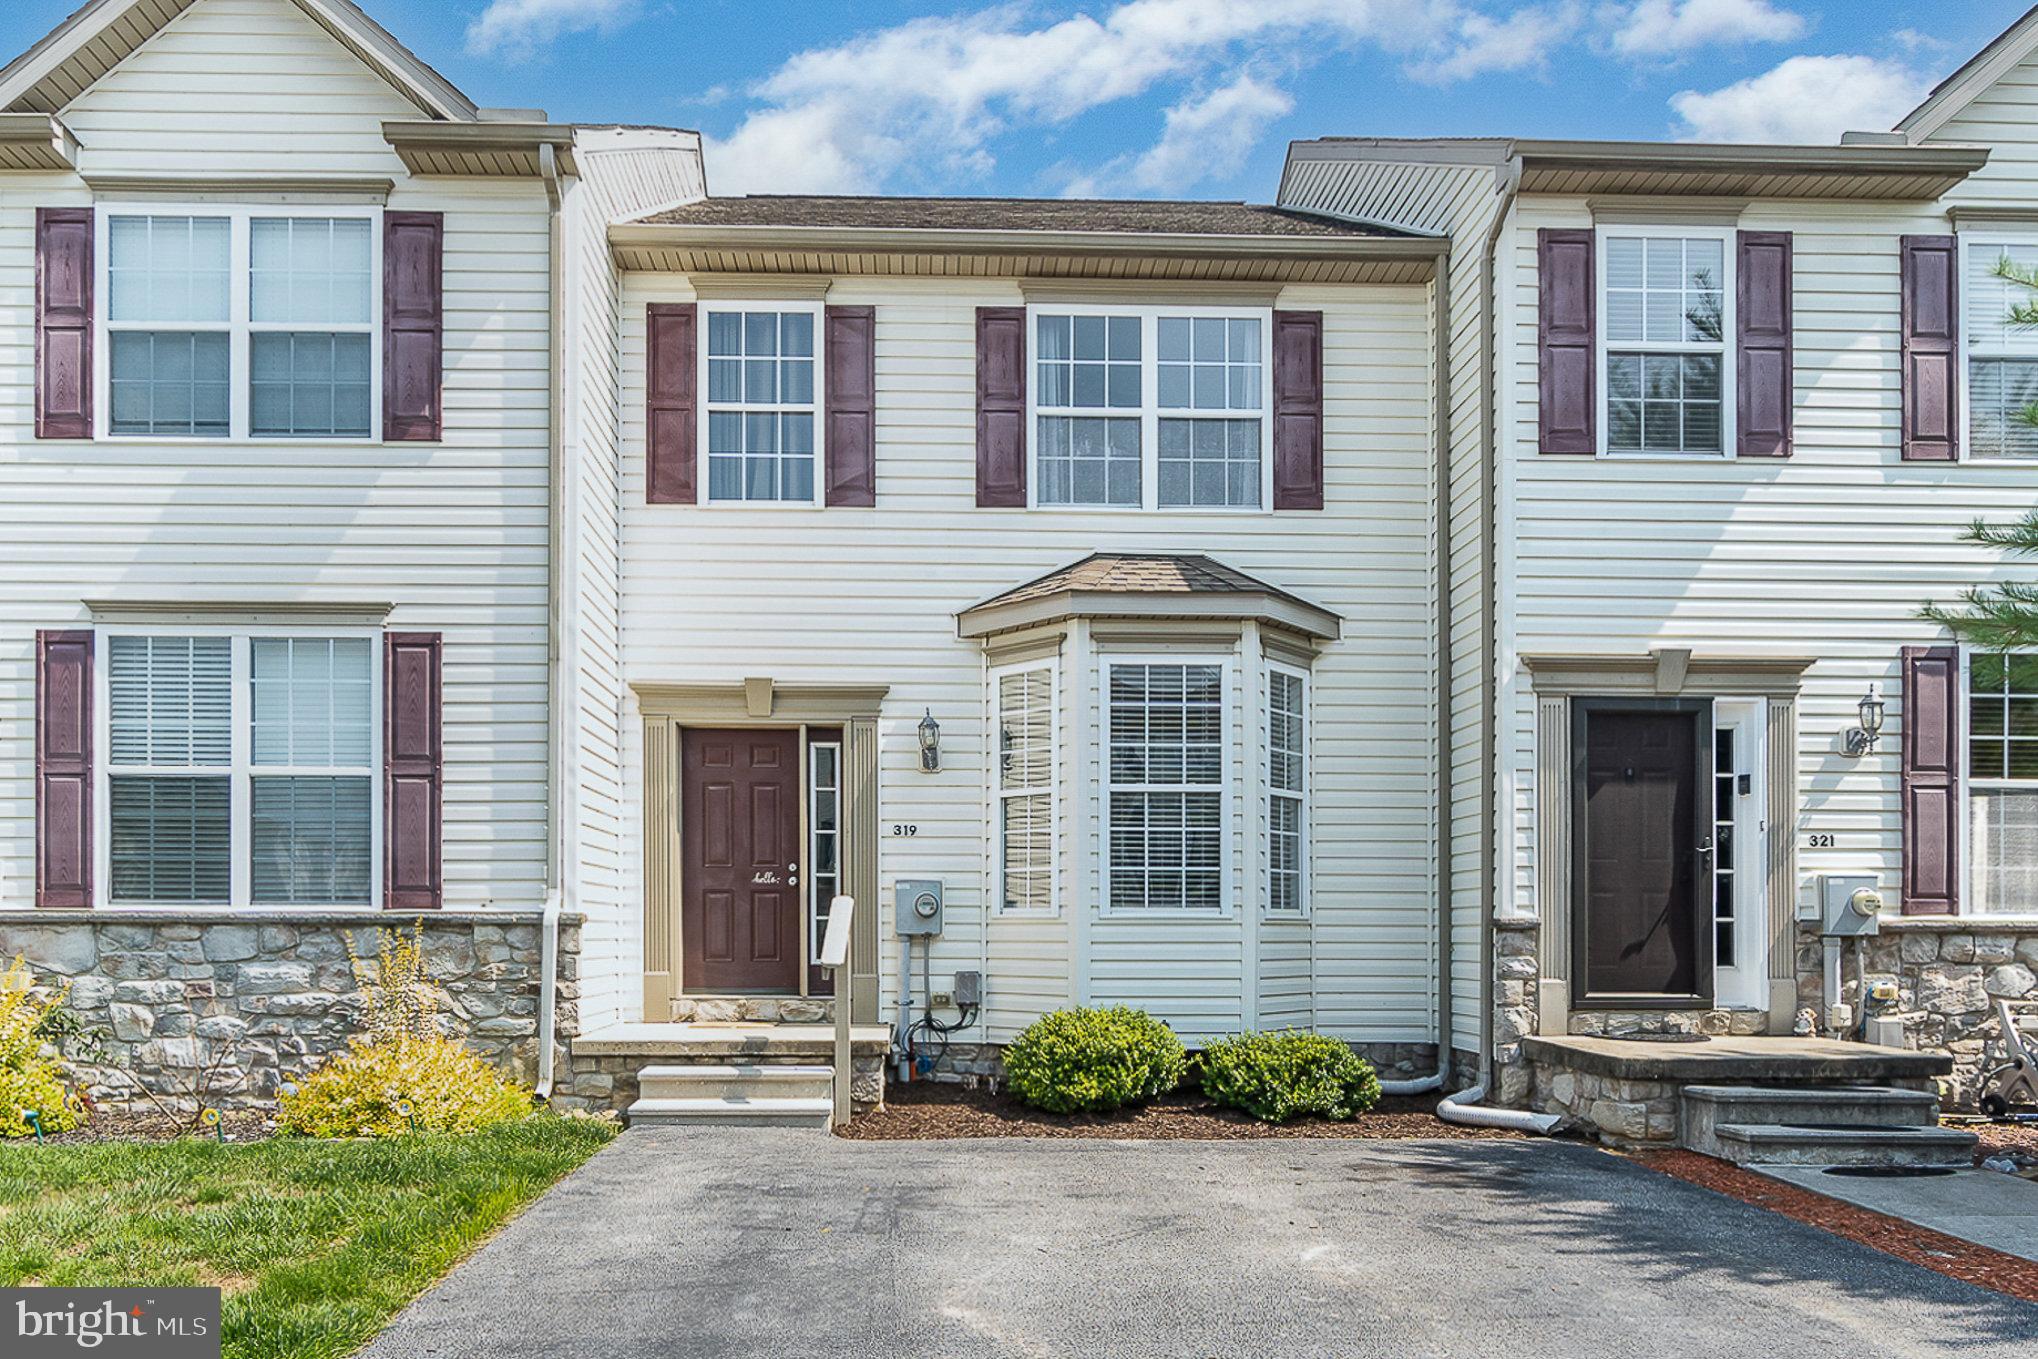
(1132, 216)
(1146, 584)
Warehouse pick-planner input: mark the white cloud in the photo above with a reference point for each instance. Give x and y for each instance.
(517, 29)
(1675, 28)
(1483, 44)
(1805, 99)
(1206, 136)
(922, 101)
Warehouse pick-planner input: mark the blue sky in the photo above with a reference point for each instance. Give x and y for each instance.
(1180, 98)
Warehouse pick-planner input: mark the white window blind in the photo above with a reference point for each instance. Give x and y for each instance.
(1286, 791)
(1165, 799)
(311, 829)
(1026, 847)
(2002, 778)
(170, 756)
(2002, 363)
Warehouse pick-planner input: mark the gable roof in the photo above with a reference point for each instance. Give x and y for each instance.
(1188, 218)
(1975, 76)
(103, 33)
(1146, 585)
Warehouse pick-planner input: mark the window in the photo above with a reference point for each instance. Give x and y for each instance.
(824, 825)
(241, 323)
(1025, 789)
(1725, 792)
(240, 769)
(2002, 781)
(1287, 846)
(761, 405)
(1163, 409)
(1164, 796)
(2002, 348)
(1664, 321)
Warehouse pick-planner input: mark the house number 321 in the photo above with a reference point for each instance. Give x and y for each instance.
(905, 828)
(1820, 839)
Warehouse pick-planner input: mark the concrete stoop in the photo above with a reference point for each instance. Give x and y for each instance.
(1811, 1126)
(781, 1096)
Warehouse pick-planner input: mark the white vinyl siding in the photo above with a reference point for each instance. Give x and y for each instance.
(1025, 762)
(2002, 352)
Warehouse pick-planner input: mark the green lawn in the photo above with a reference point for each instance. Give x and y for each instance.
(316, 1244)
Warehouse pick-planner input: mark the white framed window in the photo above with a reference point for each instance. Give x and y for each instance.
(1025, 772)
(760, 417)
(223, 322)
(2001, 747)
(824, 836)
(1666, 378)
(241, 767)
(1287, 811)
(1150, 408)
(2000, 340)
(1166, 823)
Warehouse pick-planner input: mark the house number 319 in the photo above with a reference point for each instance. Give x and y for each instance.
(905, 828)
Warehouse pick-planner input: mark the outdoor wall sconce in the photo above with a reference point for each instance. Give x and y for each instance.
(930, 744)
(1862, 739)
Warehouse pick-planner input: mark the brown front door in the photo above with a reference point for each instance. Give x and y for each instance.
(739, 819)
(1642, 934)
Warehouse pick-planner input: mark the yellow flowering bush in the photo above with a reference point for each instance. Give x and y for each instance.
(29, 1079)
(401, 1074)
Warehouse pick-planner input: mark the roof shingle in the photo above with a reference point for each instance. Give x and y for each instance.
(1131, 216)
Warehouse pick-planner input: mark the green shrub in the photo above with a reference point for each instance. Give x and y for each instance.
(1093, 1061)
(1279, 1076)
(403, 1075)
(31, 1077)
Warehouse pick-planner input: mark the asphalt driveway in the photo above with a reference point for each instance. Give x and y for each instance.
(737, 1242)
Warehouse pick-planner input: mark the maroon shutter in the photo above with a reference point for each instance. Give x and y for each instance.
(63, 769)
(413, 771)
(1567, 367)
(413, 326)
(1001, 407)
(670, 380)
(1298, 410)
(1931, 780)
(1931, 347)
(1762, 372)
(852, 405)
(63, 323)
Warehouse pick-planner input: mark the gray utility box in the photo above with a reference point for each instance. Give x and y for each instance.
(1850, 904)
(918, 908)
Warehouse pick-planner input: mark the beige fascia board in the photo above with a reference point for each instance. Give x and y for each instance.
(1983, 69)
(42, 135)
(262, 188)
(731, 704)
(1780, 159)
(1630, 673)
(985, 620)
(357, 30)
(55, 47)
(365, 612)
(478, 137)
(894, 240)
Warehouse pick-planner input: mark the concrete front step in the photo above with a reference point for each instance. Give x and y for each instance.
(769, 1111)
(1797, 1144)
(1703, 1108)
(748, 1080)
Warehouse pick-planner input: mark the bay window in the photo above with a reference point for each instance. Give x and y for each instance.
(238, 323)
(241, 769)
(762, 402)
(2001, 342)
(1025, 830)
(1165, 815)
(1163, 408)
(1665, 370)
(1287, 834)
(2002, 781)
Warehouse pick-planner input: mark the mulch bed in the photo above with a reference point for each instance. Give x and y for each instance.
(932, 1109)
(106, 1126)
(1948, 1255)
(2018, 1141)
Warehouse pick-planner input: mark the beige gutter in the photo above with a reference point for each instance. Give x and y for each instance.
(36, 141)
(429, 136)
(1772, 159)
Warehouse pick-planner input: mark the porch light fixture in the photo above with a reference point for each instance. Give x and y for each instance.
(930, 744)
(1862, 739)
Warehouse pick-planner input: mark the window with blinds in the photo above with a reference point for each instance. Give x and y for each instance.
(1164, 842)
(1026, 846)
(1286, 846)
(240, 770)
(2002, 348)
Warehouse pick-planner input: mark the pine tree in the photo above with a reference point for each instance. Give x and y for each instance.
(2002, 617)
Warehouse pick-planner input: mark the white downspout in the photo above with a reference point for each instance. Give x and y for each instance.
(555, 892)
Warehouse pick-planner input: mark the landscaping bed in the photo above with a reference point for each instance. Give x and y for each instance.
(937, 1109)
(315, 1243)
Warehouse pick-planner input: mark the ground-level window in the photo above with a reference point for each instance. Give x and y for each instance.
(2001, 346)
(1164, 795)
(1664, 302)
(761, 405)
(1287, 791)
(1025, 789)
(240, 769)
(824, 830)
(2002, 781)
